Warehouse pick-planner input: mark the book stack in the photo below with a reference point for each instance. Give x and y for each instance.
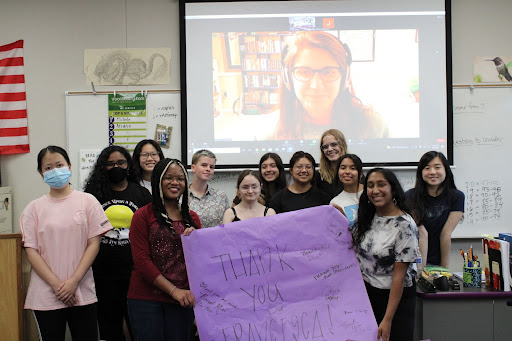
(508, 237)
(497, 263)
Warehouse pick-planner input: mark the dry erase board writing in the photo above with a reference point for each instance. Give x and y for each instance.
(484, 201)
(87, 125)
(481, 145)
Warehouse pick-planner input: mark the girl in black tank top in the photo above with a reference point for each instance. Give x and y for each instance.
(249, 186)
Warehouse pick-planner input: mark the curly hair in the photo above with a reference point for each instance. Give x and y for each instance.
(97, 183)
(367, 210)
(137, 169)
(158, 200)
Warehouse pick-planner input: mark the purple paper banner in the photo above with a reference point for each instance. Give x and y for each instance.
(291, 276)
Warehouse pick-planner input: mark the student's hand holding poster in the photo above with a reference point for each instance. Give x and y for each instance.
(290, 276)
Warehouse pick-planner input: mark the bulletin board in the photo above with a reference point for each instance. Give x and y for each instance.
(87, 124)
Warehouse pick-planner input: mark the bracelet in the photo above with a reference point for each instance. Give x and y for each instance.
(170, 292)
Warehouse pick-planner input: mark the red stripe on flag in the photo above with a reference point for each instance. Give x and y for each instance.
(16, 45)
(5, 114)
(22, 131)
(12, 79)
(19, 134)
(17, 61)
(16, 149)
(12, 97)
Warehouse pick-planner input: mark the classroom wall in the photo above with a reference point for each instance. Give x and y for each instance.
(57, 32)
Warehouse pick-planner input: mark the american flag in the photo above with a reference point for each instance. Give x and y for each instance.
(13, 104)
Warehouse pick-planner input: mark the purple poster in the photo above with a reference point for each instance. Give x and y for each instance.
(290, 276)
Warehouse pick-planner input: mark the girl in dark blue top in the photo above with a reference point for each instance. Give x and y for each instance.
(437, 206)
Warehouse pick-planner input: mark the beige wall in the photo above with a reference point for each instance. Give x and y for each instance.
(57, 31)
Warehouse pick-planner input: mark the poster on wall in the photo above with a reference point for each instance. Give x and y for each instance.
(133, 66)
(290, 276)
(492, 69)
(127, 120)
(87, 161)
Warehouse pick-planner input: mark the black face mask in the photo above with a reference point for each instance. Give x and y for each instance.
(117, 174)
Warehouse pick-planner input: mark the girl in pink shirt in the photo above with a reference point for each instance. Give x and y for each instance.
(61, 236)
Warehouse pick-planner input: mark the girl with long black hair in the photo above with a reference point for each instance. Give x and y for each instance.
(114, 184)
(437, 206)
(159, 299)
(386, 242)
(145, 156)
(273, 175)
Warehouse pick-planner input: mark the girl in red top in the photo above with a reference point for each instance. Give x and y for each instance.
(159, 299)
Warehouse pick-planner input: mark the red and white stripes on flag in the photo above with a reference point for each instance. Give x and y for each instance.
(13, 104)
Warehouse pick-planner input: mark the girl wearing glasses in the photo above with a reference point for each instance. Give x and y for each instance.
(145, 156)
(301, 193)
(332, 147)
(159, 299)
(249, 185)
(113, 182)
(273, 178)
(317, 91)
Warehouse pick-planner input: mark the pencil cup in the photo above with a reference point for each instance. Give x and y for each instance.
(472, 277)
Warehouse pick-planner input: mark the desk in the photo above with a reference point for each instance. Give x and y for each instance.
(468, 314)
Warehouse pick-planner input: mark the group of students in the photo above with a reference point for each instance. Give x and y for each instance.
(114, 253)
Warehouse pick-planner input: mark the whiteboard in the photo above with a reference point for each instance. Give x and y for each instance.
(87, 127)
(480, 121)
(482, 118)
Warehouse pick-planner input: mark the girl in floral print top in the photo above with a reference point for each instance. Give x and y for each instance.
(386, 243)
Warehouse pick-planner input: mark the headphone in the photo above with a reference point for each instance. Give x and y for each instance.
(286, 77)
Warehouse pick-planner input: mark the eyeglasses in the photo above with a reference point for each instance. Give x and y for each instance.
(154, 156)
(327, 74)
(301, 167)
(245, 188)
(332, 144)
(174, 178)
(119, 163)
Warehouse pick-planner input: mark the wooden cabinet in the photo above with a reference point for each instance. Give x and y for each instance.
(11, 301)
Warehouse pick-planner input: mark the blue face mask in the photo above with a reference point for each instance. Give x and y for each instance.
(58, 177)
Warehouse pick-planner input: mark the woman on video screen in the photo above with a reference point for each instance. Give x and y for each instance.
(317, 92)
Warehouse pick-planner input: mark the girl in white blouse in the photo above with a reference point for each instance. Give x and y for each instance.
(386, 243)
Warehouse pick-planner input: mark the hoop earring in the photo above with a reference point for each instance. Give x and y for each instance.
(394, 201)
